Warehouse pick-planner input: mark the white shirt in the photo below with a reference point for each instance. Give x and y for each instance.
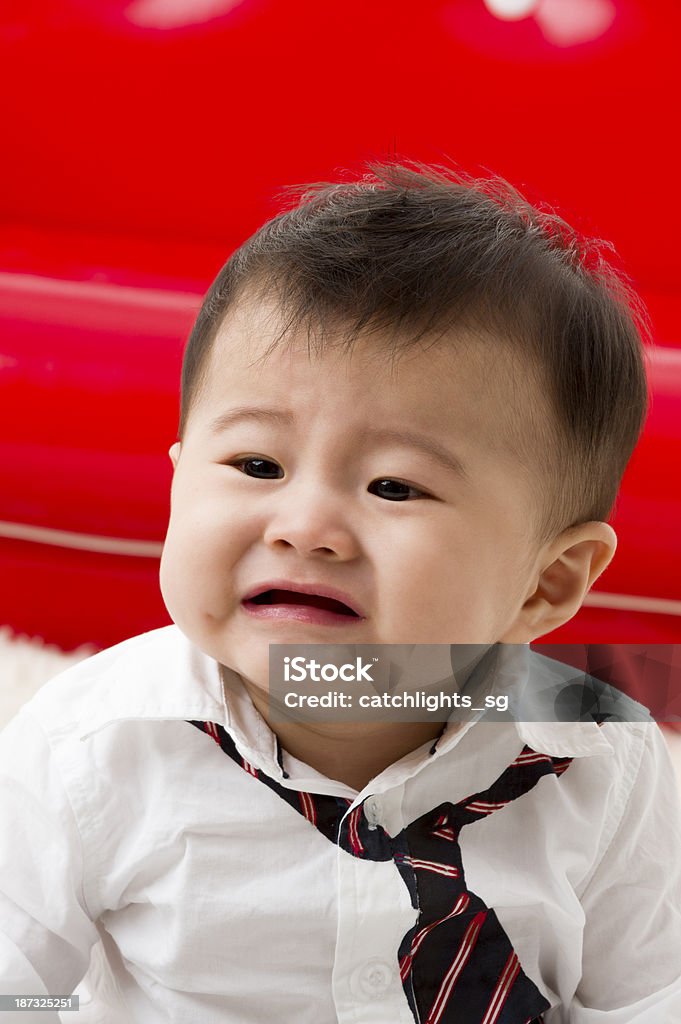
(217, 902)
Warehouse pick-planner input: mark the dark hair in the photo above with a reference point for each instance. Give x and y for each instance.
(424, 251)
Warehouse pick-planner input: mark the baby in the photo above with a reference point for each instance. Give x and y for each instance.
(407, 405)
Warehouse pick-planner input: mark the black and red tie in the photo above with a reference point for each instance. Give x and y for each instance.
(457, 964)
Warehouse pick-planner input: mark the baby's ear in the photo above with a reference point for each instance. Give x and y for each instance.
(174, 453)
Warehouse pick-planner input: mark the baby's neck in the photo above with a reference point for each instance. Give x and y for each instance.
(351, 759)
(347, 751)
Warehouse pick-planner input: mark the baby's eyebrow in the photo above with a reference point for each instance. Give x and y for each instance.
(249, 412)
(425, 444)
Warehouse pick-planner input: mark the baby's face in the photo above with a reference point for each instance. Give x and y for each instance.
(396, 489)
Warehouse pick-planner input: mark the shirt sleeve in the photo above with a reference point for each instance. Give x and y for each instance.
(46, 932)
(631, 965)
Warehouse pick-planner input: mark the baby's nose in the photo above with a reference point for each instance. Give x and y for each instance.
(313, 524)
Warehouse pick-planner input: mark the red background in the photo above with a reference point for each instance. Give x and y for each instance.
(138, 155)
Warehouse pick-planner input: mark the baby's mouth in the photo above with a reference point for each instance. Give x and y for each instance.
(293, 597)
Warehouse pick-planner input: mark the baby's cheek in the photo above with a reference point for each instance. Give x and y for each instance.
(168, 577)
(421, 595)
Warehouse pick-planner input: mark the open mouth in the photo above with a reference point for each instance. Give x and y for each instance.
(293, 597)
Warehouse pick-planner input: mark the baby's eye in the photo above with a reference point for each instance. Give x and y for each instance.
(395, 490)
(261, 469)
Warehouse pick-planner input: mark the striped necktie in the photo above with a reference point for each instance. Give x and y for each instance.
(457, 965)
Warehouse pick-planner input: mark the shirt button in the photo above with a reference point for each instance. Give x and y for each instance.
(372, 811)
(372, 979)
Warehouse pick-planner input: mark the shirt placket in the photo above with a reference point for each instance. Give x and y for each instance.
(375, 912)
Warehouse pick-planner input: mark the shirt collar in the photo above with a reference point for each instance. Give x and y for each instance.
(158, 675)
(161, 675)
(507, 668)
(531, 683)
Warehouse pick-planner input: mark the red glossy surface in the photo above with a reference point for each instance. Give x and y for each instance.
(146, 140)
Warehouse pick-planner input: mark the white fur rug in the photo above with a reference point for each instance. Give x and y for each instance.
(25, 664)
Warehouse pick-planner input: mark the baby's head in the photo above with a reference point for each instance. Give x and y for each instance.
(413, 392)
